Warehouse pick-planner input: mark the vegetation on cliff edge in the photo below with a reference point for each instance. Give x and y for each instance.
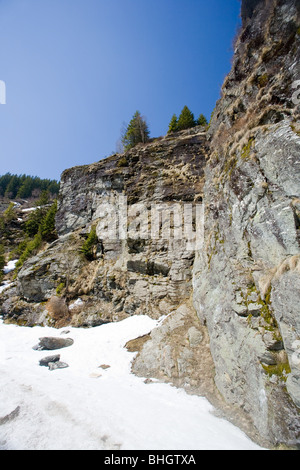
(136, 132)
(186, 120)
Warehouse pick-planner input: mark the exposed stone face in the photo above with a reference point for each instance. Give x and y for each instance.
(248, 8)
(187, 360)
(246, 280)
(166, 170)
(134, 275)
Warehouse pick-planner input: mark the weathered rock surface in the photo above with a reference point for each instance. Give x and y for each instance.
(53, 362)
(57, 365)
(11, 416)
(178, 350)
(168, 169)
(136, 275)
(46, 360)
(50, 343)
(247, 278)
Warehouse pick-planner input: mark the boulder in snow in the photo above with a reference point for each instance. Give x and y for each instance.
(46, 360)
(49, 343)
(57, 365)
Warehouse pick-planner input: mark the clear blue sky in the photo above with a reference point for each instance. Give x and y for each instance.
(76, 70)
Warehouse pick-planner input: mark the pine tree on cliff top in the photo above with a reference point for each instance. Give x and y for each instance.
(173, 126)
(202, 121)
(136, 132)
(186, 119)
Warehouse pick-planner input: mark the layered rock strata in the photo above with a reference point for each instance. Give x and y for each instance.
(134, 272)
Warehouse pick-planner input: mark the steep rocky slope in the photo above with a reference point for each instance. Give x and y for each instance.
(232, 330)
(133, 274)
(246, 279)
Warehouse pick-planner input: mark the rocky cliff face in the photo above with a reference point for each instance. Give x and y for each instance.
(247, 279)
(136, 273)
(232, 328)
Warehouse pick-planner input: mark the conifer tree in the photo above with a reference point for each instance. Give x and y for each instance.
(202, 121)
(89, 246)
(40, 227)
(48, 230)
(44, 199)
(186, 119)
(26, 188)
(12, 187)
(22, 186)
(10, 214)
(136, 132)
(173, 126)
(33, 223)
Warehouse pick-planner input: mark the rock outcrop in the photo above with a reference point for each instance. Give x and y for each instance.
(247, 279)
(135, 274)
(230, 319)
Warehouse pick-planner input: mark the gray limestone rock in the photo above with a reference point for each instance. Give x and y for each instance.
(50, 343)
(195, 336)
(57, 365)
(246, 279)
(46, 360)
(11, 416)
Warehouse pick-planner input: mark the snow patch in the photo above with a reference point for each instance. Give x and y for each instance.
(5, 285)
(75, 304)
(10, 266)
(87, 406)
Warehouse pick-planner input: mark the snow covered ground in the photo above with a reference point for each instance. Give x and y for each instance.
(89, 407)
(10, 266)
(7, 269)
(4, 285)
(30, 209)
